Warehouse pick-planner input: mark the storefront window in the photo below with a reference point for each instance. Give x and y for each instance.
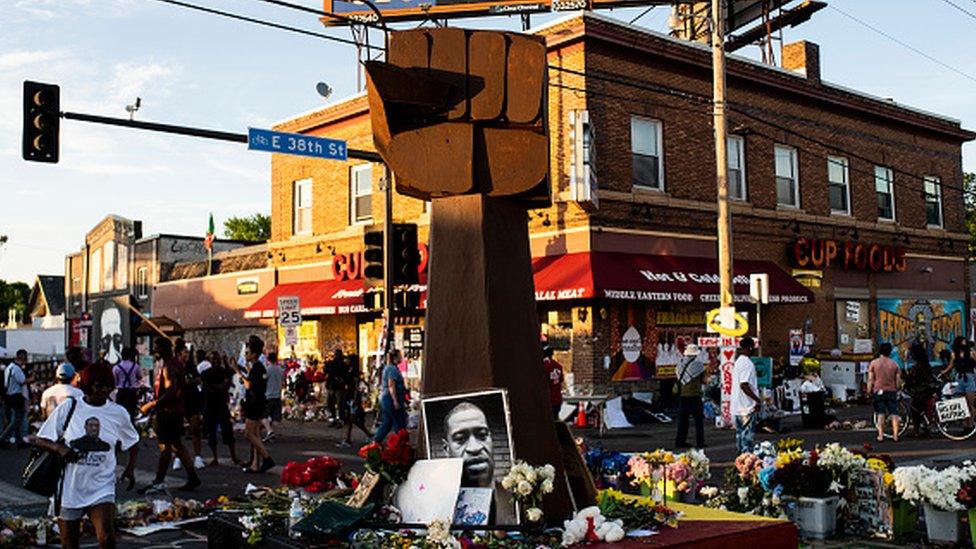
(853, 324)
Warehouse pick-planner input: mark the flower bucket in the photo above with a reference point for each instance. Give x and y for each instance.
(942, 525)
(814, 517)
(972, 525)
(668, 490)
(905, 518)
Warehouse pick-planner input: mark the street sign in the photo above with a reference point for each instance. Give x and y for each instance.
(289, 311)
(296, 143)
(291, 336)
(759, 287)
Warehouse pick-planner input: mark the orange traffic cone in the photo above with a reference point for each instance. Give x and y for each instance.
(581, 416)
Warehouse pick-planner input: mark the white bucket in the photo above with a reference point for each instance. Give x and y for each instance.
(814, 517)
(942, 525)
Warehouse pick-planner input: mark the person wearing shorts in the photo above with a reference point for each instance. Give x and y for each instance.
(255, 381)
(272, 410)
(884, 378)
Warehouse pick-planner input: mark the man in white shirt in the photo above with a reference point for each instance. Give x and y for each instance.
(745, 399)
(60, 391)
(15, 400)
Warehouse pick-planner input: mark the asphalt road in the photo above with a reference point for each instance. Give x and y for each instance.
(303, 440)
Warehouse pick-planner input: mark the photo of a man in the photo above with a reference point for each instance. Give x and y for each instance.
(475, 428)
(90, 442)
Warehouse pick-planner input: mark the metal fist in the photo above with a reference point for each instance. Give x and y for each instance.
(458, 112)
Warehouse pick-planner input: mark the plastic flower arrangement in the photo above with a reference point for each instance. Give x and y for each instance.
(938, 488)
(527, 486)
(391, 460)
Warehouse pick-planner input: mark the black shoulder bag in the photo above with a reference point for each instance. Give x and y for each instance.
(44, 468)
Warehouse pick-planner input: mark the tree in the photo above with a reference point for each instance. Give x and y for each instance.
(13, 295)
(253, 228)
(969, 186)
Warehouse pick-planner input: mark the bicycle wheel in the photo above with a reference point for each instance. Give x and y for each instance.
(959, 429)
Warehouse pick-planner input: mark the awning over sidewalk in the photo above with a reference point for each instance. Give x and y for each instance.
(321, 297)
(658, 278)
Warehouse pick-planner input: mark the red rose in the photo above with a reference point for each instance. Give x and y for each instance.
(315, 487)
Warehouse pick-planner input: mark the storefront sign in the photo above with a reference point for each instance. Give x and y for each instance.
(813, 253)
(349, 266)
(934, 322)
(247, 286)
(413, 338)
(679, 318)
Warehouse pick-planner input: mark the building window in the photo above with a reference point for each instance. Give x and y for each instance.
(839, 185)
(302, 207)
(933, 201)
(646, 159)
(108, 265)
(142, 282)
(121, 266)
(787, 182)
(884, 190)
(95, 272)
(361, 193)
(737, 167)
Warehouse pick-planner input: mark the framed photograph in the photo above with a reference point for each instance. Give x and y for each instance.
(477, 428)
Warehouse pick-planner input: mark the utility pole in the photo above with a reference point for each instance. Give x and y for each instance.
(726, 292)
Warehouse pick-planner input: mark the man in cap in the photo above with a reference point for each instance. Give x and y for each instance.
(61, 390)
(689, 391)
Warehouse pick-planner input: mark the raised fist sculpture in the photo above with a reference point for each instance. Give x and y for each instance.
(458, 112)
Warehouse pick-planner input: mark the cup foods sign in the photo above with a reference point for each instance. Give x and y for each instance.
(821, 254)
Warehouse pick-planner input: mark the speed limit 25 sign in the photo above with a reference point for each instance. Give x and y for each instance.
(289, 311)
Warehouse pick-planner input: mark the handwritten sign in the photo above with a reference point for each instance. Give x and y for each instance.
(727, 356)
(952, 409)
(366, 486)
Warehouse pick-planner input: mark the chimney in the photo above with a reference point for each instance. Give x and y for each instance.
(804, 58)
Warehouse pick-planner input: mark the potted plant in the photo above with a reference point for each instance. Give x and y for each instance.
(937, 492)
(807, 496)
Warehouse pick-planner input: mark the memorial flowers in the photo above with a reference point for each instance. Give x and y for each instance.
(938, 488)
(390, 460)
(528, 485)
(315, 475)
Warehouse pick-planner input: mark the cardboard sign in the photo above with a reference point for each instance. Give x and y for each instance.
(430, 491)
(952, 409)
(365, 489)
(764, 370)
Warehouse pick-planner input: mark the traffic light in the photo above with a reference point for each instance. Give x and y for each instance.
(406, 256)
(42, 121)
(373, 255)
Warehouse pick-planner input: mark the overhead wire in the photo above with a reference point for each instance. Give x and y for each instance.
(257, 21)
(902, 43)
(960, 8)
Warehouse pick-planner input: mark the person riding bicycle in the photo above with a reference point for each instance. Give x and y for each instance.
(921, 384)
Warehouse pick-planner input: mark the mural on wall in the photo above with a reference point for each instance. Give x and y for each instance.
(934, 322)
(629, 339)
(111, 328)
(648, 342)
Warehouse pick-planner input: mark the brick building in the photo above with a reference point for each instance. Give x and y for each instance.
(849, 202)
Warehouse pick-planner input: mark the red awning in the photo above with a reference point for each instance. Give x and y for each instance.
(661, 278)
(321, 297)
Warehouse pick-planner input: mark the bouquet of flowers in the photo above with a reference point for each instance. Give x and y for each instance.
(527, 485)
(635, 513)
(391, 460)
(940, 489)
(789, 443)
(841, 463)
(966, 496)
(315, 475)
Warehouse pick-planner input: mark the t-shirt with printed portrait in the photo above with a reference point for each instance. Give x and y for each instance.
(93, 433)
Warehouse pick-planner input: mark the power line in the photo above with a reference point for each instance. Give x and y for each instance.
(645, 12)
(324, 13)
(903, 44)
(255, 21)
(960, 8)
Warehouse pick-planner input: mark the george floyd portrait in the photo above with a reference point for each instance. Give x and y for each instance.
(476, 428)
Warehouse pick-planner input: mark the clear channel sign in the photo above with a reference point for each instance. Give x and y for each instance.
(296, 143)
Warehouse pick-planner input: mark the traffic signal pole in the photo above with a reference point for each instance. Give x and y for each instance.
(190, 131)
(388, 298)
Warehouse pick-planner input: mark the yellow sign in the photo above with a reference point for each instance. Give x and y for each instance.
(712, 322)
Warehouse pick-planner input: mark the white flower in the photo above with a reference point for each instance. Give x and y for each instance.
(546, 486)
(709, 491)
(743, 493)
(548, 471)
(439, 535)
(507, 483)
(534, 514)
(524, 488)
(531, 476)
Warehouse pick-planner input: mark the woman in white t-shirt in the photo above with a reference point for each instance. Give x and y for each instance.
(88, 447)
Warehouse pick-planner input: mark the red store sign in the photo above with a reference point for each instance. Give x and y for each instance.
(350, 266)
(814, 253)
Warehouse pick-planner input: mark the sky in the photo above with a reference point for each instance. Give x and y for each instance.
(200, 70)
